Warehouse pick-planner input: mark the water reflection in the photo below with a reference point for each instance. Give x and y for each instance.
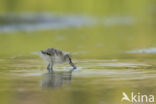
(56, 79)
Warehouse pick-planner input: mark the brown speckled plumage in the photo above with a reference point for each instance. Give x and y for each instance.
(56, 56)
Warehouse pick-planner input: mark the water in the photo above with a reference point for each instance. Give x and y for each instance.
(94, 82)
(29, 22)
(150, 50)
(112, 43)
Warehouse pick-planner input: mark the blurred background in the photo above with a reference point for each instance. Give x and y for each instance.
(113, 44)
(87, 29)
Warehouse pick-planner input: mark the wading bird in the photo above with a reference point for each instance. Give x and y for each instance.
(55, 56)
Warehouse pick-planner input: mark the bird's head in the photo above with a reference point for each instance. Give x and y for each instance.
(68, 57)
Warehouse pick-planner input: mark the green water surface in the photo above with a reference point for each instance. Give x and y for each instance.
(104, 69)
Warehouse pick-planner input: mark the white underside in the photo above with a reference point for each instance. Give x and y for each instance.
(58, 60)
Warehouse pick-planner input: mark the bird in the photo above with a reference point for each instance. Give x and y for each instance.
(55, 56)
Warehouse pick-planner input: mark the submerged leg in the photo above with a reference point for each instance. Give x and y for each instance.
(48, 67)
(71, 63)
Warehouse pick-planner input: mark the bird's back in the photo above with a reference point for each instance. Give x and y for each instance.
(54, 52)
(57, 55)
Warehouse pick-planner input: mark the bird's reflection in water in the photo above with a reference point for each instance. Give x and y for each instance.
(56, 79)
